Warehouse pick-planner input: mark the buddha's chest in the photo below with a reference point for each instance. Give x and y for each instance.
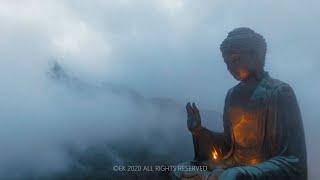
(245, 126)
(247, 119)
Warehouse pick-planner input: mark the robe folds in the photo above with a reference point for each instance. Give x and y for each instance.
(263, 134)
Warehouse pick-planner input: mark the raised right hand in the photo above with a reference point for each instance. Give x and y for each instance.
(194, 119)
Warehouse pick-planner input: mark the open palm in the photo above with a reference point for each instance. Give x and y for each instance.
(194, 119)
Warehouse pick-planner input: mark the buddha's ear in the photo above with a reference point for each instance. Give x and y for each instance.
(255, 60)
(258, 59)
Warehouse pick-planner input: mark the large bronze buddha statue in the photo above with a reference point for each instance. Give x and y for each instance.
(263, 134)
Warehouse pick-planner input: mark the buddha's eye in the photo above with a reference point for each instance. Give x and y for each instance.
(233, 58)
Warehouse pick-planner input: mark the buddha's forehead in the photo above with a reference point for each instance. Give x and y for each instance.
(242, 47)
(235, 54)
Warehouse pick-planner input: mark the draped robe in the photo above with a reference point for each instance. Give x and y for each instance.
(263, 134)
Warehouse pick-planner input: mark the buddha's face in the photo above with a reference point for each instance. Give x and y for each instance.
(240, 66)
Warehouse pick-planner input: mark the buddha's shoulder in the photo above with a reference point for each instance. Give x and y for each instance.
(272, 83)
(268, 85)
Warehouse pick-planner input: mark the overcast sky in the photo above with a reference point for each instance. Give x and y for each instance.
(160, 48)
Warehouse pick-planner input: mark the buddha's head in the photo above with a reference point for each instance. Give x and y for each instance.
(244, 53)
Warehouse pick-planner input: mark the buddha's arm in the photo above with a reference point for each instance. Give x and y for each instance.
(284, 140)
(207, 140)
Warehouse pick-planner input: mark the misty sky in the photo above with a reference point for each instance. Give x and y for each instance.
(160, 48)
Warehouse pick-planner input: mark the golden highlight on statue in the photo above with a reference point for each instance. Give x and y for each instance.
(263, 134)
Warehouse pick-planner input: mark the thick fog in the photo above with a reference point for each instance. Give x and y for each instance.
(78, 73)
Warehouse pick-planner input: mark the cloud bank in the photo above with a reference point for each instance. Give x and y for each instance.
(123, 55)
